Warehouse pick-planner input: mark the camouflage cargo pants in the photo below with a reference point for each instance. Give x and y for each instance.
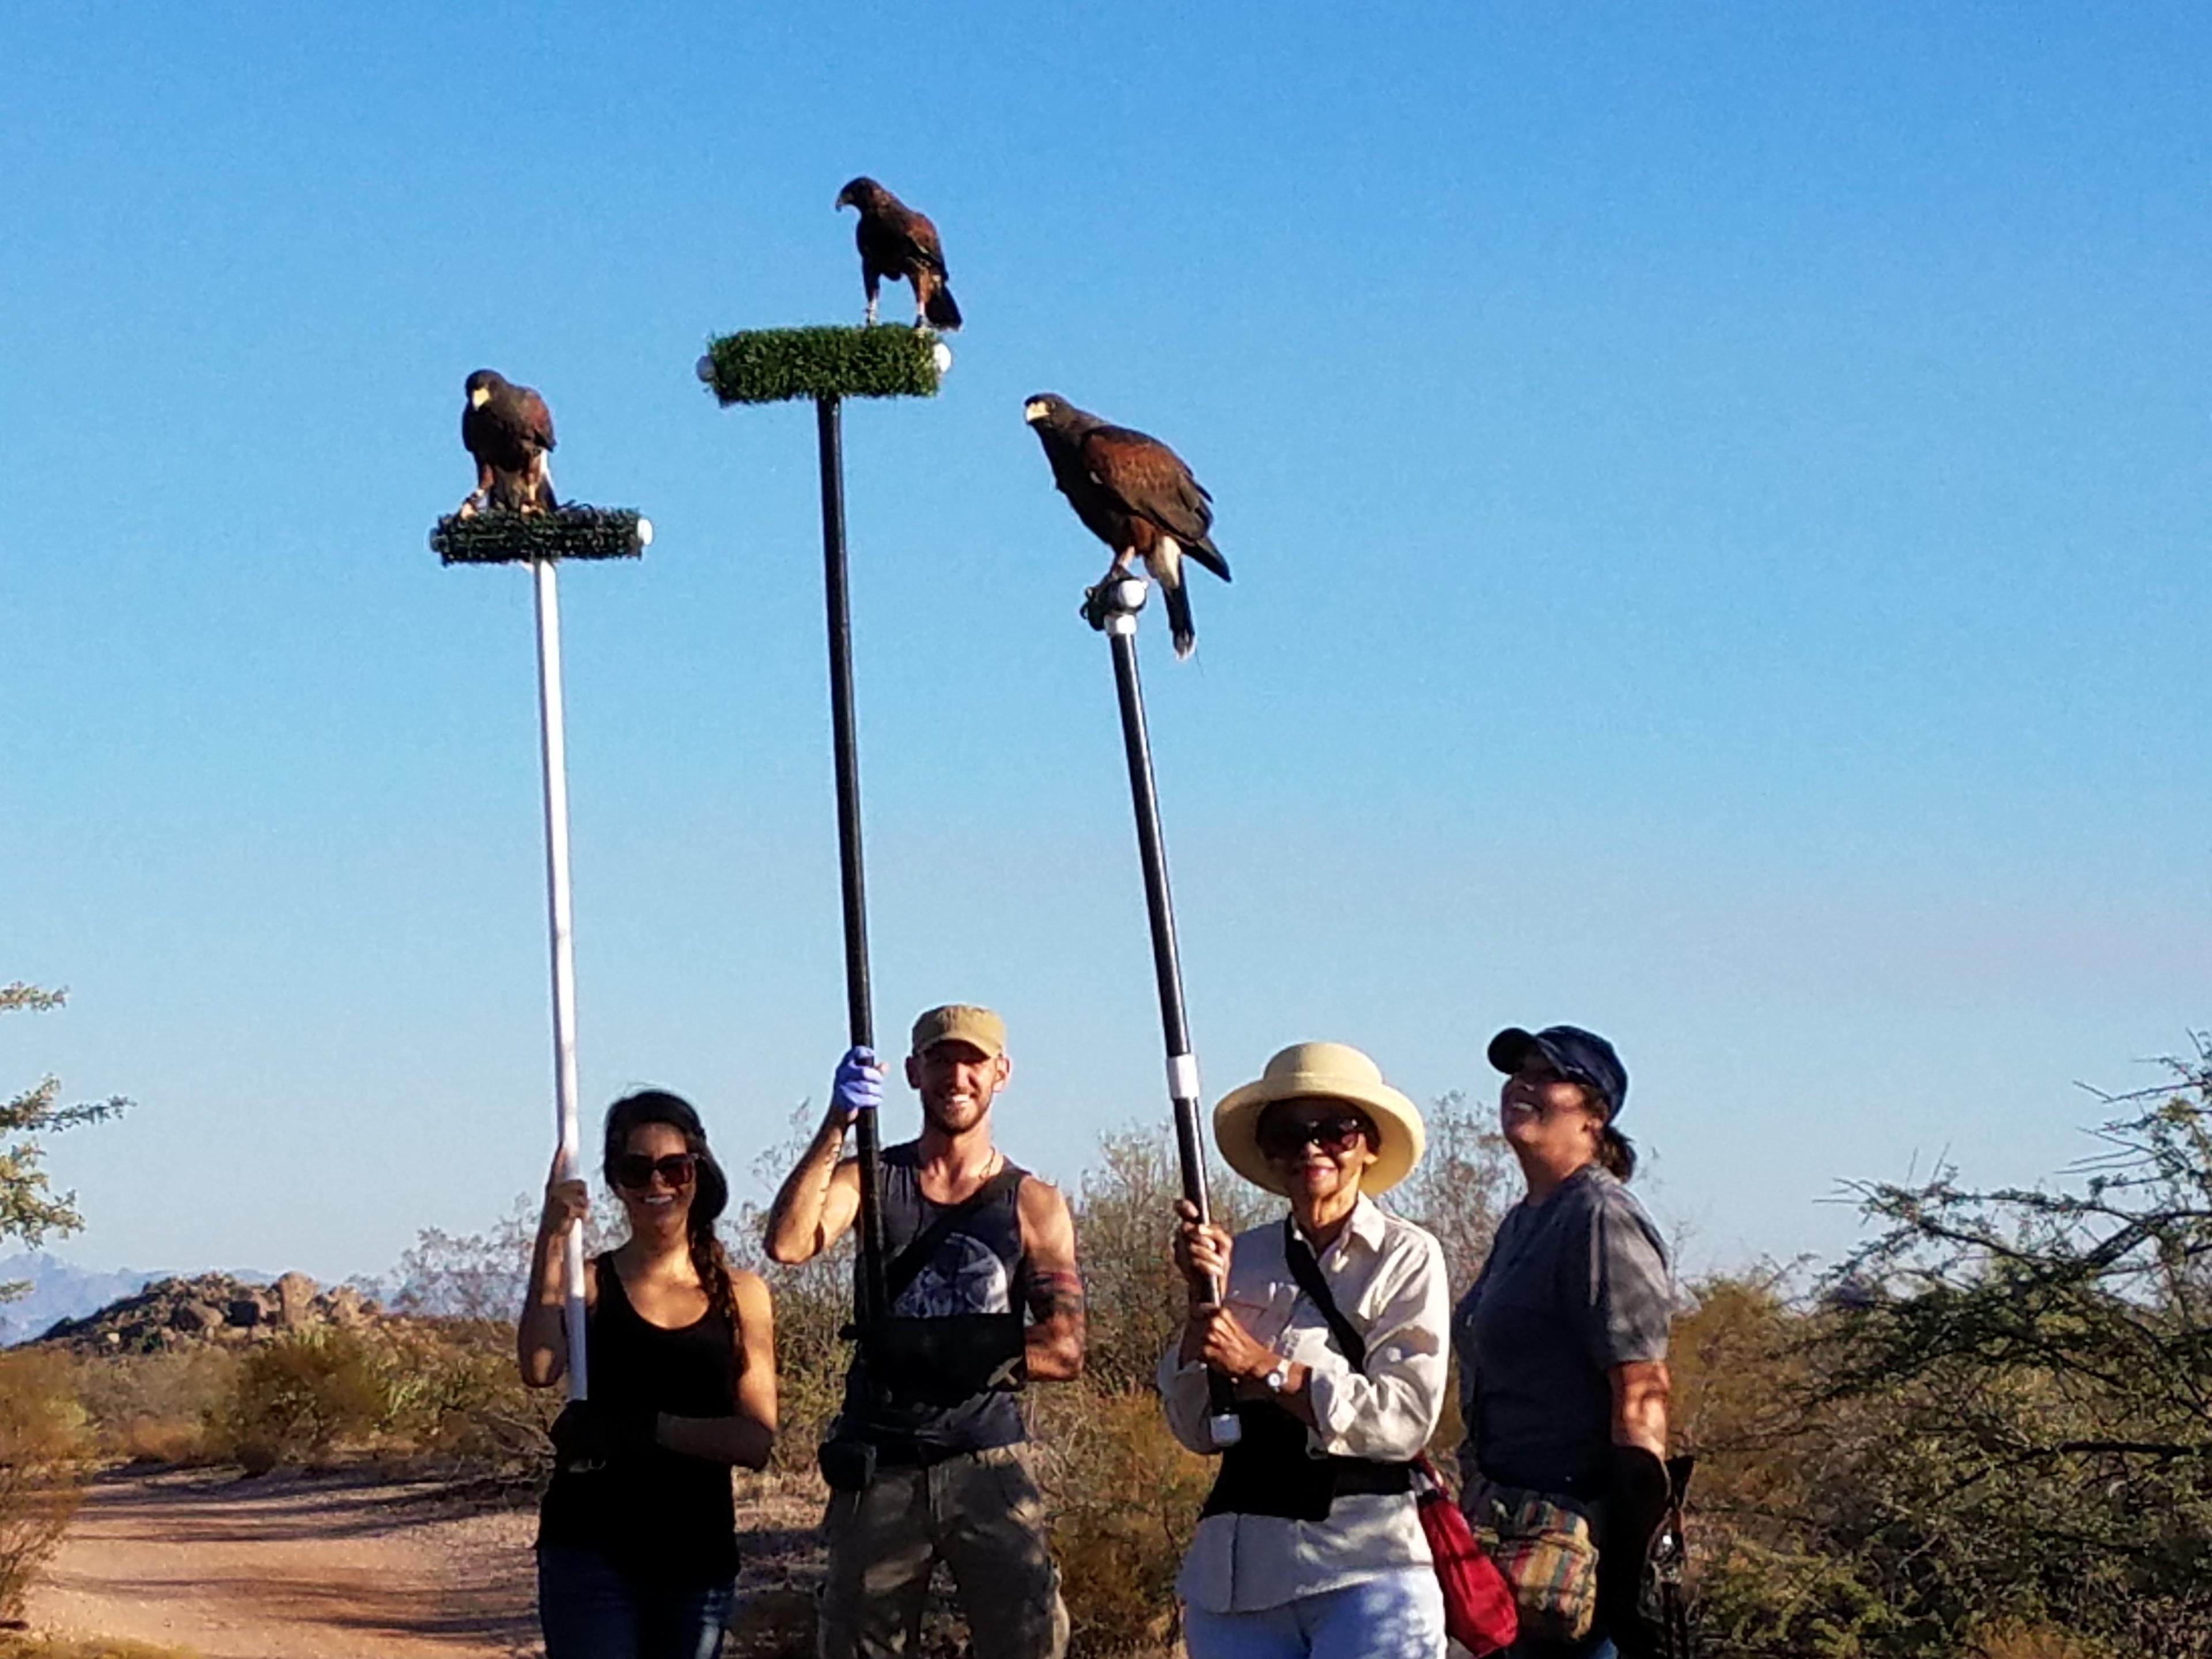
(980, 1514)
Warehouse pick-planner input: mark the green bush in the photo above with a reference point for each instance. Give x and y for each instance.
(301, 1397)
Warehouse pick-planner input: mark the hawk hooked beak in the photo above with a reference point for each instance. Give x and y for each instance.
(480, 397)
(1034, 411)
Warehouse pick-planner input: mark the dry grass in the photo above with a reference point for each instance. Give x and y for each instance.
(42, 1435)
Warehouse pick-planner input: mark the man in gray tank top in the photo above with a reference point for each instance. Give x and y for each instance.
(928, 1460)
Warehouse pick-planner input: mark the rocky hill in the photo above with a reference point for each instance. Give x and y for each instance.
(36, 1289)
(211, 1309)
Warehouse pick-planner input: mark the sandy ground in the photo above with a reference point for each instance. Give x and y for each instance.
(286, 1567)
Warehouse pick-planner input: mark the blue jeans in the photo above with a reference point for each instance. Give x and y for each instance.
(1393, 1615)
(590, 1608)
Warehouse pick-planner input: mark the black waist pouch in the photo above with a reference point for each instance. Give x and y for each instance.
(1271, 1471)
(846, 1461)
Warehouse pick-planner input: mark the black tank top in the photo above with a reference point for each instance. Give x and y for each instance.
(979, 1269)
(665, 1517)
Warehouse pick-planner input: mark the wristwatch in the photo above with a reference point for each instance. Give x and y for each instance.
(1280, 1378)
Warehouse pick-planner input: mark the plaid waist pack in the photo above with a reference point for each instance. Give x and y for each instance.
(1543, 1546)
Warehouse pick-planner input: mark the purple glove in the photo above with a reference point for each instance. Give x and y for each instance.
(858, 1084)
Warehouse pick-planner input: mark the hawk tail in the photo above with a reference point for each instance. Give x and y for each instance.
(1180, 629)
(940, 308)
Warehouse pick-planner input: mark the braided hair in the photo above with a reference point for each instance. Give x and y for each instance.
(710, 1196)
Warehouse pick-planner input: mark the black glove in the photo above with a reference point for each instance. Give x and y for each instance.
(589, 1435)
(1637, 1497)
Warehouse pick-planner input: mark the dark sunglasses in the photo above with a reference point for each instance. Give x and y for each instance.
(636, 1170)
(1334, 1135)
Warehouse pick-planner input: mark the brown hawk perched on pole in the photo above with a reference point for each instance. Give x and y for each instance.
(897, 242)
(509, 431)
(1136, 496)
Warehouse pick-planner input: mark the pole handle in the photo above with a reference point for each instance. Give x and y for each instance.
(553, 754)
(845, 747)
(1111, 607)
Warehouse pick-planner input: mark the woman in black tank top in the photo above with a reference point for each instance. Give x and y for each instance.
(637, 1539)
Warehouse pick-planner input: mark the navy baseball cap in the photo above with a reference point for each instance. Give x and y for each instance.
(1585, 1056)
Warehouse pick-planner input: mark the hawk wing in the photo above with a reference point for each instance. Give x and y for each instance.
(1102, 513)
(1149, 481)
(917, 238)
(530, 417)
(897, 241)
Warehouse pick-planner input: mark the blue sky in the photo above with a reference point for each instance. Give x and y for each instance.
(1716, 500)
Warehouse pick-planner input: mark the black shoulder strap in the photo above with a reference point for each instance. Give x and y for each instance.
(1307, 1272)
(909, 1263)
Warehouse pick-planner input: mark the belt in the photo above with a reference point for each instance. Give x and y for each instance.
(904, 1453)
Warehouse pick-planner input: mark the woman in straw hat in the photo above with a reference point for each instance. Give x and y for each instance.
(1331, 1331)
(1561, 1345)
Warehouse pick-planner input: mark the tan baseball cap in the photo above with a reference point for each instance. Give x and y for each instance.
(961, 1022)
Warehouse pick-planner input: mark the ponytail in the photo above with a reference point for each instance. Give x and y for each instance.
(1616, 1154)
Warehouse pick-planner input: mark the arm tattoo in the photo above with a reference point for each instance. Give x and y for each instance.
(1053, 1293)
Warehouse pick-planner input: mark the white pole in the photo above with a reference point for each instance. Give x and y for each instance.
(553, 749)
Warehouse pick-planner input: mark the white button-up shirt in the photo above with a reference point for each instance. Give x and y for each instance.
(1387, 1277)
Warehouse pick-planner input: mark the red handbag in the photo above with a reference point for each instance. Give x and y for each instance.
(1479, 1612)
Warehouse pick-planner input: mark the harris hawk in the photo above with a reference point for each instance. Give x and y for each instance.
(897, 242)
(509, 431)
(1136, 496)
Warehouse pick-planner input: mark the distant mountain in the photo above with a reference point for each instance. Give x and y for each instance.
(60, 1290)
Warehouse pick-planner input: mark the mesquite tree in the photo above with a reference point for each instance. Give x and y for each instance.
(2030, 1371)
(30, 1209)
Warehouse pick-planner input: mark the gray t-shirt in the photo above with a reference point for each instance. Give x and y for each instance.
(1574, 1285)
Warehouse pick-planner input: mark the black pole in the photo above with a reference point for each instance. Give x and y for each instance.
(1113, 609)
(859, 1015)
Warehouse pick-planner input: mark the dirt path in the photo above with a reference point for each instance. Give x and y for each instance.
(285, 1567)
(290, 1567)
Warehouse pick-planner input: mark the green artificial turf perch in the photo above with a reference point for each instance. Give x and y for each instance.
(574, 532)
(769, 365)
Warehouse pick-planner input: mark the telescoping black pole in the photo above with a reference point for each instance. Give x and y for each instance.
(1113, 609)
(859, 1012)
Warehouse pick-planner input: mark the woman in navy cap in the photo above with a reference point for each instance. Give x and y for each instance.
(1561, 1345)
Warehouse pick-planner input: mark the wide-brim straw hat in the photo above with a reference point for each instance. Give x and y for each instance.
(1322, 1071)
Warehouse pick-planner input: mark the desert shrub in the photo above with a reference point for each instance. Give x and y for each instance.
(813, 1306)
(155, 1407)
(42, 1433)
(1125, 1497)
(2011, 1639)
(479, 1276)
(23, 1645)
(456, 1399)
(1124, 1210)
(1464, 1184)
(298, 1397)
